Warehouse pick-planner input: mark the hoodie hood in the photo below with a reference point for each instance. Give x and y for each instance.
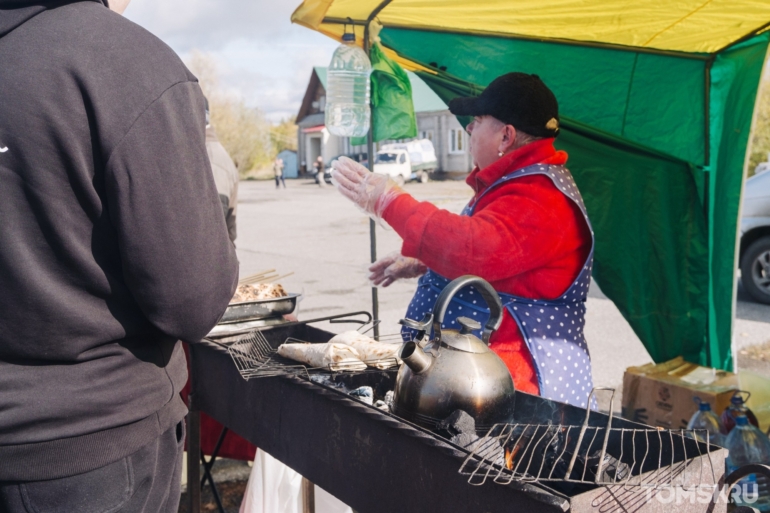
(14, 13)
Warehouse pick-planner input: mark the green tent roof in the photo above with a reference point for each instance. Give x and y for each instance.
(321, 72)
(425, 100)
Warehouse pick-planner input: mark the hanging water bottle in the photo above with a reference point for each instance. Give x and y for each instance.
(347, 94)
(747, 444)
(706, 421)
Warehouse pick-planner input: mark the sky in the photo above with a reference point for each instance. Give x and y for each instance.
(260, 54)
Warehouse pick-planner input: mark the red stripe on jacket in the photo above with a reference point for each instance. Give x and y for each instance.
(525, 237)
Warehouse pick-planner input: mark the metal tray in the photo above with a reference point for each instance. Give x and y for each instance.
(262, 309)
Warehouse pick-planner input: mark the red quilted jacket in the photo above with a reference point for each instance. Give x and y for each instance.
(525, 237)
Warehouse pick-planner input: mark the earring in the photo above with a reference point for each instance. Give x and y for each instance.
(500, 153)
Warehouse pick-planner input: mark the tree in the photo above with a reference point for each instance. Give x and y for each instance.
(242, 130)
(284, 135)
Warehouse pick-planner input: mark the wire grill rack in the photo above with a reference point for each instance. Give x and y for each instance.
(254, 357)
(591, 455)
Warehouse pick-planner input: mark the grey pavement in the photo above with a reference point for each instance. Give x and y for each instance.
(324, 239)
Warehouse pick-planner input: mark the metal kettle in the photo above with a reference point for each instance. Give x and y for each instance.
(455, 370)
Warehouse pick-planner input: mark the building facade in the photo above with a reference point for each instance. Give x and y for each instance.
(434, 122)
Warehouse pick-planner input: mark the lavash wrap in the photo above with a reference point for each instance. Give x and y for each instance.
(375, 354)
(330, 355)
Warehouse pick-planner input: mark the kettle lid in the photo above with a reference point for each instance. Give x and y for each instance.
(464, 339)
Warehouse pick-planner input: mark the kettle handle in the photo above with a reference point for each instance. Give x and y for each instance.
(487, 292)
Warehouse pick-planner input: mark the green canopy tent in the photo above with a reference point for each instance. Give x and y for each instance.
(657, 100)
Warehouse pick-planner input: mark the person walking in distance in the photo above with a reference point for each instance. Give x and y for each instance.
(278, 172)
(318, 165)
(113, 248)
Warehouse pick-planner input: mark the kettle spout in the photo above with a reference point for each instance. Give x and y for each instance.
(415, 358)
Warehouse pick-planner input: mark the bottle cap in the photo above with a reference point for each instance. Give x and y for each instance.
(348, 37)
(704, 406)
(738, 397)
(741, 420)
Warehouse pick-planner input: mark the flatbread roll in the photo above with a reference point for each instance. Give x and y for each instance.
(375, 354)
(334, 356)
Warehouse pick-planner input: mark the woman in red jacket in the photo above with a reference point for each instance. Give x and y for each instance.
(525, 231)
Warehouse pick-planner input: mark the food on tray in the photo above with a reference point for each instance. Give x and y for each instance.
(258, 292)
(376, 354)
(330, 355)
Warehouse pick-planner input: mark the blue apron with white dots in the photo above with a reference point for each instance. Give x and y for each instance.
(552, 329)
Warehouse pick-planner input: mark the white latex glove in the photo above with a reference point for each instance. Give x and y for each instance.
(371, 192)
(394, 267)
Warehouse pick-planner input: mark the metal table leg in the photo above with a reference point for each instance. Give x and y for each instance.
(193, 447)
(207, 465)
(308, 496)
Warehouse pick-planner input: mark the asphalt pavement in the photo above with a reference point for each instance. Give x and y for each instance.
(323, 239)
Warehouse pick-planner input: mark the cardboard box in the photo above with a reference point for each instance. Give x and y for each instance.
(663, 395)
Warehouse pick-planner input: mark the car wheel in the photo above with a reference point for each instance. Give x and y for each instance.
(424, 177)
(399, 180)
(755, 270)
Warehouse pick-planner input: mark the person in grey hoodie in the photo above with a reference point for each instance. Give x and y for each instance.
(113, 248)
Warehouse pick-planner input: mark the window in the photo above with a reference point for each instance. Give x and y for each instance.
(402, 159)
(426, 134)
(385, 158)
(457, 141)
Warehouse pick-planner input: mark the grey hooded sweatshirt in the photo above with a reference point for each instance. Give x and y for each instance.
(112, 242)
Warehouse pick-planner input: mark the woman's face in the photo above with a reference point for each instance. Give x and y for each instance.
(488, 136)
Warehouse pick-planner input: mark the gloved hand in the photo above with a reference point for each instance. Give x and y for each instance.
(371, 192)
(394, 267)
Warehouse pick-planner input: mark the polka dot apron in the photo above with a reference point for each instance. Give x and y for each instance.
(552, 329)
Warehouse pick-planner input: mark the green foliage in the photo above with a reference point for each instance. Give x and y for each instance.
(283, 135)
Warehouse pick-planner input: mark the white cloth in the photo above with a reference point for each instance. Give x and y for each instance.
(275, 488)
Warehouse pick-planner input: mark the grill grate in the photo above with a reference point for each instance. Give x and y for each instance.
(254, 357)
(591, 455)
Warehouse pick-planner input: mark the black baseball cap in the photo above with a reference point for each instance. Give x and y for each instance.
(517, 99)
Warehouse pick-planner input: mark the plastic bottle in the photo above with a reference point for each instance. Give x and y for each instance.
(347, 93)
(737, 407)
(747, 444)
(705, 419)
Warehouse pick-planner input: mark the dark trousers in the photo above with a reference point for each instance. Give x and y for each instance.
(147, 481)
(279, 180)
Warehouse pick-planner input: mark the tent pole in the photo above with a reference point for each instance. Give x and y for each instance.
(707, 184)
(372, 224)
(370, 152)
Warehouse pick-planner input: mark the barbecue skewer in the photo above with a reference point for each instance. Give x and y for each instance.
(262, 279)
(275, 278)
(255, 277)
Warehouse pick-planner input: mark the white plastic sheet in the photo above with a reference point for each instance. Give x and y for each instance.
(275, 488)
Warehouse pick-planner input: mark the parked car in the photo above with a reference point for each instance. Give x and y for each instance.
(413, 160)
(358, 157)
(755, 238)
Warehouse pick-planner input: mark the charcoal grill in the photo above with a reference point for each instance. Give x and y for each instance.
(377, 462)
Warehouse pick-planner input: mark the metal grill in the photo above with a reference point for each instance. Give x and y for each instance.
(254, 357)
(591, 455)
